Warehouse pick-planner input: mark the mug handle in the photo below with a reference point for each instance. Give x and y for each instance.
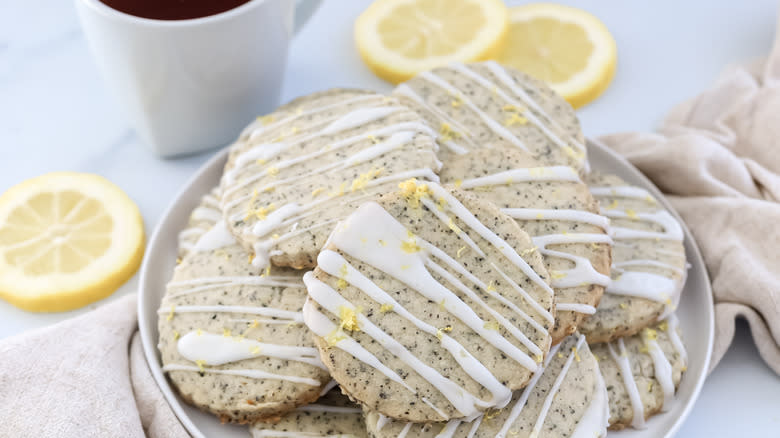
(304, 9)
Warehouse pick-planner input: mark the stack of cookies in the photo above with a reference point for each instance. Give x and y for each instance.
(439, 262)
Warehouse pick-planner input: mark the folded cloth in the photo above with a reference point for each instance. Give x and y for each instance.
(84, 377)
(717, 158)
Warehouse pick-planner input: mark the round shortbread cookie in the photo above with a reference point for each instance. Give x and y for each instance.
(233, 342)
(429, 305)
(552, 205)
(312, 163)
(333, 415)
(565, 399)
(483, 105)
(202, 218)
(642, 372)
(648, 261)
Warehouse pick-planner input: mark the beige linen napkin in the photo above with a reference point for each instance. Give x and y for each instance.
(84, 377)
(717, 158)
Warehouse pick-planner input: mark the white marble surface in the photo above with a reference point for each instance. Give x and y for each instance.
(55, 114)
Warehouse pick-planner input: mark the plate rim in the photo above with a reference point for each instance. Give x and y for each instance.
(149, 344)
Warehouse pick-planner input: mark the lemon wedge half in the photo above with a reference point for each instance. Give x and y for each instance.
(566, 47)
(66, 239)
(400, 38)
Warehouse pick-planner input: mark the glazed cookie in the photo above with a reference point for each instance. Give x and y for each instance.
(648, 261)
(232, 342)
(313, 162)
(485, 104)
(642, 372)
(202, 218)
(554, 207)
(333, 415)
(430, 304)
(565, 399)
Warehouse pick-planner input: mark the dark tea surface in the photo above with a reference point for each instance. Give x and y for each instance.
(173, 9)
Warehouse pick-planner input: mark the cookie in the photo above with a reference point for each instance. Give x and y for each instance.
(202, 218)
(483, 105)
(552, 205)
(333, 415)
(567, 398)
(430, 304)
(313, 162)
(233, 342)
(648, 261)
(642, 372)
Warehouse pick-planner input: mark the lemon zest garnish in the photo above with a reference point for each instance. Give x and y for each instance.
(493, 413)
(651, 334)
(492, 325)
(226, 332)
(410, 245)
(251, 258)
(446, 133)
(460, 251)
(386, 307)
(596, 356)
(178, 260)
(515, 119)
(199, 332)
(349, 319)
(538, 358)
(664, 326)
(644, 349)
(612, 205)
(650, 386)
(275, 236)
(273, 171)
(266, 119)
(361, 181)
(170, 314)
(442, 204)
(317, 191)
(631, 213)
(458, 182)
(267, 272)
(341, 190)
(201, 364)
(413, 192)
(382, 242)
(491, 286)
(623, 305)
(557, 275)
(442, 304)
(528, 251)
(440, 331)
(453, 227)
(560, 355)
(262, 212)
(576, 353)
(176, 335)
(255, 350)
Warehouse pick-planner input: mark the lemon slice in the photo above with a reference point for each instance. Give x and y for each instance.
(400, 38)
(566, 47)
(66, 240)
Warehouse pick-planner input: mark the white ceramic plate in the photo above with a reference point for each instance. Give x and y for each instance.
(695, 311)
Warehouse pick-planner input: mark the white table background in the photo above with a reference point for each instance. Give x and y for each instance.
(55, 114)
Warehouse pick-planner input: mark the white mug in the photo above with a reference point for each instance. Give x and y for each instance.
(191, 85)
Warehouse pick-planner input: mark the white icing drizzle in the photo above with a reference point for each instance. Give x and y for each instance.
(556, 386)
(465, 402)
(653, 287)
(621, 358)
(529, 174)
(492, 124)
(530, 214)
(253, 374)
(674, 336)
(576, 307)
(507, 80)
(662, 368)
(405, 90)
(500, 73)
(215, 349)
(263, 230)
(595, 421)
(405, 430)
(263, 311)
(650, 286)
(326, 389)
(583, 272)
(322, 326)
(216, 237)
(204, 284)
(257, 433)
